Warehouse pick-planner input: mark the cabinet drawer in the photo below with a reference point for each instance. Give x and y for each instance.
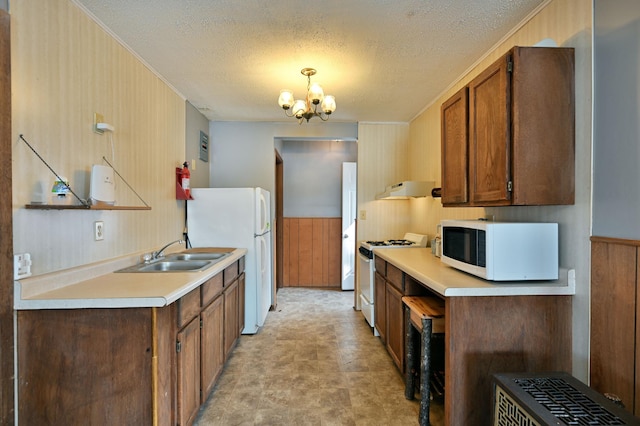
(241, 265)
(188, 307)
(381, 266)
(211, 289)
(230, 273)
(394, 276)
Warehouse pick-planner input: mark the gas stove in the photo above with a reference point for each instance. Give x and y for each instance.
(409, 240)
(366, 278)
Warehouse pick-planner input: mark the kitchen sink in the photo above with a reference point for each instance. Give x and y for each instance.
(170, 266)
(197, 256)
(179, 262)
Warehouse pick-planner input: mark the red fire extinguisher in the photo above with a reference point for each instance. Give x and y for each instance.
(184, 178)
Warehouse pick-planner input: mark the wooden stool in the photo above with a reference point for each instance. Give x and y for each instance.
(426, 316)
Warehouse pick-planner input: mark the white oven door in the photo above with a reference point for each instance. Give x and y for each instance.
(366, 289)
(366, 277)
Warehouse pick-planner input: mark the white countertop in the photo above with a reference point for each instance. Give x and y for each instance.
(96, 286)
(447, 281)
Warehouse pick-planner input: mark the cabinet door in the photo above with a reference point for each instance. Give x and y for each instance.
(230, 316)
(241, 292)
(543, 126)
(395, 326)
(613, 313)
(489, 135)
(212, 353)
(188, 357)
(455, 154)
(379, 306)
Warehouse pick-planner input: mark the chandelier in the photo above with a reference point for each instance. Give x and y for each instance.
(308, 108)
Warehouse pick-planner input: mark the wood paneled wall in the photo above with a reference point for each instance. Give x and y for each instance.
(312, 252)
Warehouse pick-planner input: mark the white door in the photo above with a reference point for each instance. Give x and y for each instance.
(349, 200)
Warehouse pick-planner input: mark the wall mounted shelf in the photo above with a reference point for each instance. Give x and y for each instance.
(80, 207)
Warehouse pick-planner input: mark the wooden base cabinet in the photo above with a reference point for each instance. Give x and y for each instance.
(390, 285)
(134, 366)
(615, 321)
(483, 336)
(508, 137)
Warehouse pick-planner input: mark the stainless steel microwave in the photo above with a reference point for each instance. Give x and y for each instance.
(501, 251)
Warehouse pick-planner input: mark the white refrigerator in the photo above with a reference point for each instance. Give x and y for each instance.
(239, 218)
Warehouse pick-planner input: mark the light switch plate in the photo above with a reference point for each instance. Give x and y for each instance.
(21, 266)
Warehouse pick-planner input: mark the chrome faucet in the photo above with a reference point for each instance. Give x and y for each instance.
(160, 253)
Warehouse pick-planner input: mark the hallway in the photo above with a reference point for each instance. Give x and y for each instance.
(315, 362)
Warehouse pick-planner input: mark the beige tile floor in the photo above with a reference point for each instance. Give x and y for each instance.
(315, 362)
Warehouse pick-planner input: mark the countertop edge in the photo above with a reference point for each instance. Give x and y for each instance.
(184, 283)
(420, 264)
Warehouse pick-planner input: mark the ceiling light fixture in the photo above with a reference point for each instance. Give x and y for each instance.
(308, 108)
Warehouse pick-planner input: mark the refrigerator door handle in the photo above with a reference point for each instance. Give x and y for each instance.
(264, 214)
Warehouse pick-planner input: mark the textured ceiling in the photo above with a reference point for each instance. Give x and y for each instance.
(383, 60)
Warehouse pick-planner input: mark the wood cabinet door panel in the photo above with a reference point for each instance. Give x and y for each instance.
(189, 372)
(379, 305)
(543, 88)
(230, 273)
(211, 289)
(188, 307)
(212, 352)
(230, 317)
(489, 135)
(613, 298)
(395, 326)
(454, 146)
(394, 276)
(241, 298)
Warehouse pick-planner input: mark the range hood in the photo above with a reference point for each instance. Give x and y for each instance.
(406, 189)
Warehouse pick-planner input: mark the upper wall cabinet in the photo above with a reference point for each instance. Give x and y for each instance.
(508, 137)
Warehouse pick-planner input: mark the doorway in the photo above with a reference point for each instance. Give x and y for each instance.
(309, 190)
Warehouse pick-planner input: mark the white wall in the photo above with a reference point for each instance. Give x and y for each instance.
(196, 123)
(313, 176)
(616, 180)
(242, 153)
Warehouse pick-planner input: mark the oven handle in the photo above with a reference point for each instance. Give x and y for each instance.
(364, 258)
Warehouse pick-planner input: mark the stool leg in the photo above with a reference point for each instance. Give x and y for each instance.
(410, 358)
(425, 371)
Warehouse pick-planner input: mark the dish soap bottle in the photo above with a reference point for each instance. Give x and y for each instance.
(186, 176)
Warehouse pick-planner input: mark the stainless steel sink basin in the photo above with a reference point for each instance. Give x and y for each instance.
(196, 256)
(170, 266)
(179, 262)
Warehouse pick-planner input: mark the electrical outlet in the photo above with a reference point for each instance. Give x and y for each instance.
(21, 265)
(98, 230)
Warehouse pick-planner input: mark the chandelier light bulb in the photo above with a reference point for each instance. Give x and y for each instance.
(299, 108)
(286, 99)
(329, 104)
(316, 94)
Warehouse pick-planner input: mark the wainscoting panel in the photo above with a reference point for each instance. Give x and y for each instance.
(312, 252)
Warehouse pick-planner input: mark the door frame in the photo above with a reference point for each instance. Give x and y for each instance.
(6, 227)
(279, 213)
